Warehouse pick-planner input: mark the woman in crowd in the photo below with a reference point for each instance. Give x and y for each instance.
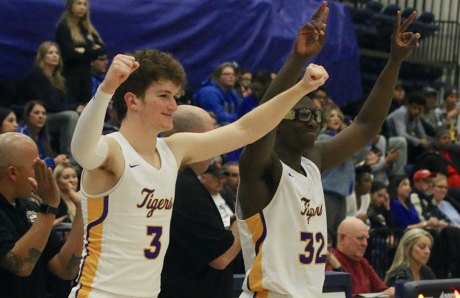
(380, 216)
(412, 254)
(404, 212)
(46, 84)
(382, 233)
(67, 180)
(8, 121)
(34, 125)
(80, 44)
(443, 201)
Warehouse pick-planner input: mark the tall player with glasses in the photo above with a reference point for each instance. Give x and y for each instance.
(305, 115)
(280, 205)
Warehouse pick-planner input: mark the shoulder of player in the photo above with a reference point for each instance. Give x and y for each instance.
(113, 164)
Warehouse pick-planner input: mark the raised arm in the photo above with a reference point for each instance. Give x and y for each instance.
(89, 148)
(375, 109)
(310, 39)
(194, 147)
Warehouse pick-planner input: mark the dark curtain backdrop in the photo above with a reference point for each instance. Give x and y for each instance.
(258, 34)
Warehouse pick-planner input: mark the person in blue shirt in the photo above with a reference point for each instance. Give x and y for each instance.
(218, 94)
(404, 212)
(34, 126)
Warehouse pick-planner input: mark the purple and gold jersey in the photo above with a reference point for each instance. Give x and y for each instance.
(127, 228)
(285, 245)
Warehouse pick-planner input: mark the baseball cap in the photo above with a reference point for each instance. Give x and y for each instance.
(429, 90)
(399, 83)
(423, 174)
(450, 92)
(215, 169)
(440, 130)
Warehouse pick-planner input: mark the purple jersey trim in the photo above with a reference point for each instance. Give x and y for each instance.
(259, 242)
(264, 233)
(105, 211)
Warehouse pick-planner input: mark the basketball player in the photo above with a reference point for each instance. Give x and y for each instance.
(280, 207)
(129, 176)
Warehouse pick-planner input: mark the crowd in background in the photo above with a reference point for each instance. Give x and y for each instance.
(403, 187)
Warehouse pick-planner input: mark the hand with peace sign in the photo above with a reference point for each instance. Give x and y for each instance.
(402, 42)
(311, 36)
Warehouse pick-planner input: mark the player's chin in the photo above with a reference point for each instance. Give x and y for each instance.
(167, 126)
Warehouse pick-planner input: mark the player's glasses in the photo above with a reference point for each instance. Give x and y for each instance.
(305, 115)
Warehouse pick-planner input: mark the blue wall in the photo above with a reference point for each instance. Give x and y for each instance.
(258, 34)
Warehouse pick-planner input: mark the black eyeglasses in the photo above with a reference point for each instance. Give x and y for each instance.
(305, 115)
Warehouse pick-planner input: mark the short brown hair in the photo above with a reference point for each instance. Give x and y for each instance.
(215, 75)
(154, 66)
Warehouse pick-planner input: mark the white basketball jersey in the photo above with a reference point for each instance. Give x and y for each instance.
(285, 245)
(127, 228)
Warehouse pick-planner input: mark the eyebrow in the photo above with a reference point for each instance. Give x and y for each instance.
(164, 91)
(167, 92)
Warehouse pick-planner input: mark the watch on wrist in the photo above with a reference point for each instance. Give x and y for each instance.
(46, 209)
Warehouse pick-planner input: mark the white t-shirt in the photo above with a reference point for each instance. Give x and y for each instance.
(352, 208)
(224, 209)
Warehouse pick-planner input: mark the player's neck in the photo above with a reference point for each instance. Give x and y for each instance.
(142, 140)
(289, 157)
(293, 161)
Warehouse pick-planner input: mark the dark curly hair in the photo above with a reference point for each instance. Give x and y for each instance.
(154, 66)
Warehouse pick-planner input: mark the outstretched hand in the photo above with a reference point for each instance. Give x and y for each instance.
(311, 36)
(315, 76)
(402, 42)
(121, 68)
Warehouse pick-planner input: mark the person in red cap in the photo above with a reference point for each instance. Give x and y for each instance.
(421, 197)
(423, 175)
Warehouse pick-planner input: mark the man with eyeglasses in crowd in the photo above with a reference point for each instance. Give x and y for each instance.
(280, 204)
(218, 94)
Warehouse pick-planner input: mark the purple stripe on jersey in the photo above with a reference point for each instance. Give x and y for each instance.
(264, 233)
(259, 242)
(105, 211)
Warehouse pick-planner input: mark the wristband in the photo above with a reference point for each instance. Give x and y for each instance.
(46, 209)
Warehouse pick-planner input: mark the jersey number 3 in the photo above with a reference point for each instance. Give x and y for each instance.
(309, 256)
(154, 250)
